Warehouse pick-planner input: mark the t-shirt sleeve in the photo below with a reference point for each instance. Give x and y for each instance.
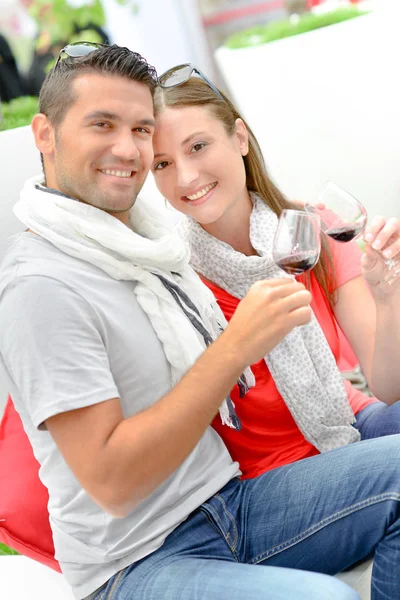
(347, 260)
(53, 348)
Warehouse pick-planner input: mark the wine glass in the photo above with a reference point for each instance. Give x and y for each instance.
(342, 216)
(297, 242)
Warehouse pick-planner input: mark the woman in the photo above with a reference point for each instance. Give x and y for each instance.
(209, 166)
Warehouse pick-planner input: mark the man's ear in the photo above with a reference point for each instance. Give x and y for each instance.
(44, 134)
(242, 136)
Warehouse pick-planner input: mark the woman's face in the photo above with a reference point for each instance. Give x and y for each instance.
(198, 167)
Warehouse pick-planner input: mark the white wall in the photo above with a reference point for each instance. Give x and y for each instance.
(325, 105)
(165, 32)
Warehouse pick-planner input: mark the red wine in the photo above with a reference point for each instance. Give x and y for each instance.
(345, 233)
(297, 263)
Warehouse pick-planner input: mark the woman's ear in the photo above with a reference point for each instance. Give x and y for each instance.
(43, 132)
(242, 136)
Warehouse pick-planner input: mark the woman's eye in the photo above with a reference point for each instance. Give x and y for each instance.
(161, 165)
(197, 147)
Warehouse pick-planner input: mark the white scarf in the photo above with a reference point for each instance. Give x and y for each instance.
(302, 365)
(149, 252)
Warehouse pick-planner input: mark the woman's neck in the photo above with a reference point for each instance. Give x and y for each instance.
(233, 227)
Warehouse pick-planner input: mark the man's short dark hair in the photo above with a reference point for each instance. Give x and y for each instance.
(57, 94)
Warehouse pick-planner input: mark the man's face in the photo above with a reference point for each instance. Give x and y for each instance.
(102, 151)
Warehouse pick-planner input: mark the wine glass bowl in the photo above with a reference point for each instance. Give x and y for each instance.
(297, 243)
(343, 217)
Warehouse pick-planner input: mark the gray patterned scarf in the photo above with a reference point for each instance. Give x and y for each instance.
(302, 365)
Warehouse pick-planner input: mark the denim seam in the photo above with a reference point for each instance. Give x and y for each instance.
(321, 524)
(114, 586)
(218, 527)
(232, 518)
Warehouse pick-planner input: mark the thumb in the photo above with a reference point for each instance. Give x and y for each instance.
(369, 258)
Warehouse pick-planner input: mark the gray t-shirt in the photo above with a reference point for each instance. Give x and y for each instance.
(70, 337)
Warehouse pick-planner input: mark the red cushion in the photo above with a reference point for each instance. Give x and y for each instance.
(24, 519)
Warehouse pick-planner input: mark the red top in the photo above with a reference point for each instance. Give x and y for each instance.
(270, 437)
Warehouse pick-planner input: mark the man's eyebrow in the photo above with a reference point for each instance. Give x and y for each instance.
(150, 122)
(185, 141)
(102, 114)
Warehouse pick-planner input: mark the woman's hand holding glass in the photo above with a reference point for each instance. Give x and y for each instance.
(344, 218)
(381, 261)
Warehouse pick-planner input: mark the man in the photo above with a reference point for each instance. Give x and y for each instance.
(103, 334)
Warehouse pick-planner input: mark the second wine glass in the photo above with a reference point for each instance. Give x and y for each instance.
(343, 217)
(297, 242)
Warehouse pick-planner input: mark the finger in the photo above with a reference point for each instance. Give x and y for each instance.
(390, 231)
(373, 228)
(279, 293)
(319, 205)
(278, 281)
(282, 286)
(299, 203)
(392, 276)
(263, 286)
(369, 259)
(300, 316)
(296, 301)
(271, 283)
(392, 250)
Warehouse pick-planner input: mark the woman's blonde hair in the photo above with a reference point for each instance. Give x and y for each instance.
(195, 92)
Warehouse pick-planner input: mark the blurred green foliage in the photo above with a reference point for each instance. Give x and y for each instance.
(277, 30)
(5, 551)
(18, 112)
(57, 21)
(58, 18)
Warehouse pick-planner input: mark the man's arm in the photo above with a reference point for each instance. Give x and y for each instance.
(122, 461)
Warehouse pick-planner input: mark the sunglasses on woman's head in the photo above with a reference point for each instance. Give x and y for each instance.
(78, 50)
(181, 74)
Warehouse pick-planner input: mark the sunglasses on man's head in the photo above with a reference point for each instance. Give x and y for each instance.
(181, 74)
(78, 50)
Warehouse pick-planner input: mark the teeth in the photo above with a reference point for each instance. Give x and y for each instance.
(202, 192)
(117, 173)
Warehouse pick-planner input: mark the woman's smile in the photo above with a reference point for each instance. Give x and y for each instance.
(200, 196)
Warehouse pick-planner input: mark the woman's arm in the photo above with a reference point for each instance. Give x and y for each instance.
(368, 310)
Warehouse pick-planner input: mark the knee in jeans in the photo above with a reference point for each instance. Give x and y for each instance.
(343, 591)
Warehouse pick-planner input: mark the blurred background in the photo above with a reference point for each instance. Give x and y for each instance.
(315, 79)
(166, 32)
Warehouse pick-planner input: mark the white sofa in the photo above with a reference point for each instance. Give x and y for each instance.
(21, 577)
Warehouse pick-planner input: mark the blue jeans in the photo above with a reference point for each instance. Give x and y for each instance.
(320, 514)
(378, 419)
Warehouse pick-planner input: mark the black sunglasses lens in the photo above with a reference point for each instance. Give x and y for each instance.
(175, 76)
